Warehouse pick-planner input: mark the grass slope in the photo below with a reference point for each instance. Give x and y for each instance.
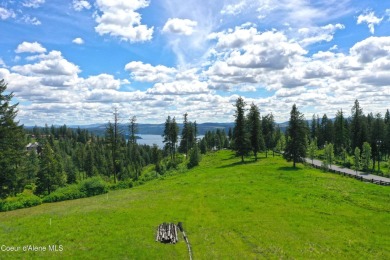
(229, 210)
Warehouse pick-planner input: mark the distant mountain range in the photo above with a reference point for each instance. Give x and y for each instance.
(158, 129)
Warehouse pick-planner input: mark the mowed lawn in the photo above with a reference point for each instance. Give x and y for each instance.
(255, 210)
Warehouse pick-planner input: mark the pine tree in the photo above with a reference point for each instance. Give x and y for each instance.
(313, 128)
(11, 145)
(255, 130)
(341, 137)
(194, 157)
(358, 126)
(187, 136)
(377, 138)
(386, 139)
(133, 130)
(296, 137)
(174, 135)
(241, 136)
(170, 135)
(50, 175)
(113, 139)
(268, 125)
(156, 158)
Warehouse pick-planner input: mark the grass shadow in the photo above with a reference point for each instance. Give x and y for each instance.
(236, 163)
(289, 169)
(230, 158)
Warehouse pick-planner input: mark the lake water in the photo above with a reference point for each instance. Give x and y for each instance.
(151, 140)
(155, 139)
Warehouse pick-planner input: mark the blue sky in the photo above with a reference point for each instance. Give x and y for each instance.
(72, 62)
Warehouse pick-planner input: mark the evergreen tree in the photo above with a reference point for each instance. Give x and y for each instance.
(11, 145)
(194, 157)
(296, 137)
(203, 146)
(268, 125)
(156, 158)
(341, 137)
(31, 166)
(241, 136)
(50, 175)
(187, 136)
(377, 138)
(358, 126)
(133, 130)
(90, 168)
(313, 128)
(174, 135)
(326, 131)
(170, 135)
(386, 139)
(255, 130)
(136, 161)
(113, 139)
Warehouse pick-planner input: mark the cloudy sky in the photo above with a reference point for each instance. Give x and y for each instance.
(72, 62)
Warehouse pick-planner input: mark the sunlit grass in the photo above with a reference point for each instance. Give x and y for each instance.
(263, 209)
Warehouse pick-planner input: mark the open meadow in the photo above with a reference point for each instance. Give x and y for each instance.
(230, 210)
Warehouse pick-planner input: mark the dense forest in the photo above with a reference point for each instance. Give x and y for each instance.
(42, 160)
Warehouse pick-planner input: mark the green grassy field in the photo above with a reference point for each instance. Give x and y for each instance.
(230, 210)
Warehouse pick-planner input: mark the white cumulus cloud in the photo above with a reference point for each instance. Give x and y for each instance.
(78, 41)
(51, 64)
(120, 19)
(147, 73)
(102, 81)
(179, 26)
(31, 47)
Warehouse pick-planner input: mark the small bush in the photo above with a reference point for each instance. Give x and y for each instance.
(122, 185)
(194, 157)
(22, 200)
(94, 186)
(69, 192)
(149, 176)
(86, 188)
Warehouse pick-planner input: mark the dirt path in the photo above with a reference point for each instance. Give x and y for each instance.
(358, 175)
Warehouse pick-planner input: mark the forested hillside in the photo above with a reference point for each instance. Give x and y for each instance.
(38, 161)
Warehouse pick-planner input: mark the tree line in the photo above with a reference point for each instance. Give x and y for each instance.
(67, 156)
(364, 138)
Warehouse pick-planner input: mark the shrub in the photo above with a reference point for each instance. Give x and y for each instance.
(21, 200)
(122, 185)
(194, 157)
(149, 176)
(86, 188)
(69, 192)
(94, 186)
